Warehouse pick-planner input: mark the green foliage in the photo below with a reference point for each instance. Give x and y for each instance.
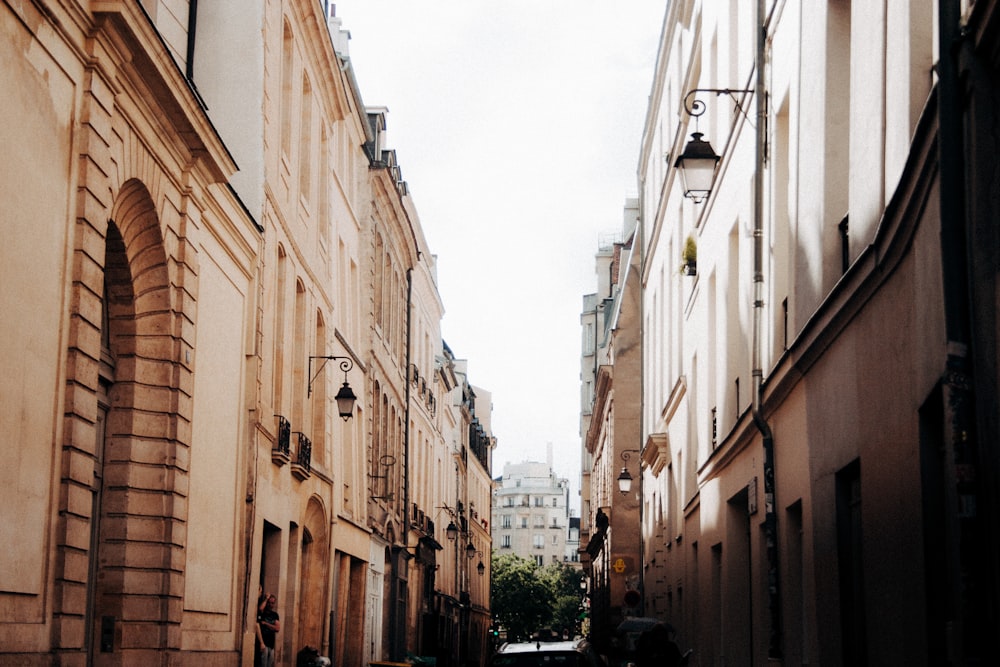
(689, 257)
(525, 597)
(690, 253)
(564, 581)
(519, 598)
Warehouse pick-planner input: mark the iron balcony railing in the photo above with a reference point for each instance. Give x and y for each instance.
(304, 455)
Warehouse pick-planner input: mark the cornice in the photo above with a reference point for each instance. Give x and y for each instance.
(147, 66)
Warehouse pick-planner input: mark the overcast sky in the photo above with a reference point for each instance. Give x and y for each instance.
(517, 127)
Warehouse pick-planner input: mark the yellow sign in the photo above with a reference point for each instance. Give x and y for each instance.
(622, 564)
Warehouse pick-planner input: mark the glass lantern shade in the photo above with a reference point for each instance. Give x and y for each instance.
(697, 166)
(345, 401)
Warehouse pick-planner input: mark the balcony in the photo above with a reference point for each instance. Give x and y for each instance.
(281, 453)
(302, 466)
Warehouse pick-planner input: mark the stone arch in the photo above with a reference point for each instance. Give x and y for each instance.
(140, 518)
(313, 576)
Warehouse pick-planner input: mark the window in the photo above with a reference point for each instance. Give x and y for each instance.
(588, 339)
(539, 501)
(505, 541)
(539, 521)
(540, 561)
(305, 141)
(319, 398)
(524, 522)
(505, 521)
(555, 502)
(287, 89)
(538, 541)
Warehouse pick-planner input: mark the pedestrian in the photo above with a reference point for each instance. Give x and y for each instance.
(656, 648)
(269, 623)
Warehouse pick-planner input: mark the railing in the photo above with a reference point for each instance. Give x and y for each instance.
(302, 467)
(284, 436)
(281, 452)
(304, 456)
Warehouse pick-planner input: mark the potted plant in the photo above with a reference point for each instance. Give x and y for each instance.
(689, 257)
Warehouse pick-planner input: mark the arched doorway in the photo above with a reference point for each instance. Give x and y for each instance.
(135, 523)
(313, 586)
(116, 287)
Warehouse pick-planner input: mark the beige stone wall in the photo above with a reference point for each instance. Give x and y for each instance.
(175, 255)
(117, 196)
(37, 193)
(850, 355)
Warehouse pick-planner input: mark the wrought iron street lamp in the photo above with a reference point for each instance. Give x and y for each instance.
(345, 397)
(698, 162)
(625, 481)
(345, 401)
(625, 477)
(697, 166)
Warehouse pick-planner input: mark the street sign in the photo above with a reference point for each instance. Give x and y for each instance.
(632, 598)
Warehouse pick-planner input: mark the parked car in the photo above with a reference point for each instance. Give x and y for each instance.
(574, 653)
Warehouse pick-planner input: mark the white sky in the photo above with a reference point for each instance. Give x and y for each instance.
(517, 127)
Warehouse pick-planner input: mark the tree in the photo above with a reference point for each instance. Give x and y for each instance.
(519, 598)
(564, 583)
(526, 597)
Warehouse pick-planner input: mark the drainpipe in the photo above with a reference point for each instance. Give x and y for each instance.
(967, 612)
(406, 426)
(767, 438)
(638, 245)
(406, 445)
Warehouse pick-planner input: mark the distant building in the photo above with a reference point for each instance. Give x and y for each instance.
(531, 512)
(610, 537)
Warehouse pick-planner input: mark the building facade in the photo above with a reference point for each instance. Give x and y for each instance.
(226, 244)
(610, 539)
(818, 403)
(531, 512)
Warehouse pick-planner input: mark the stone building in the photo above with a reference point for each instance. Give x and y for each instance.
(531, 512)
(610, 537)
(210, 240)
(818, 330)
(135, 267)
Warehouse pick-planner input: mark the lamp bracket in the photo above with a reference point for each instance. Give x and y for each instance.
(696, 107)
(627, 454)
(387, 461)
(346, 364)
